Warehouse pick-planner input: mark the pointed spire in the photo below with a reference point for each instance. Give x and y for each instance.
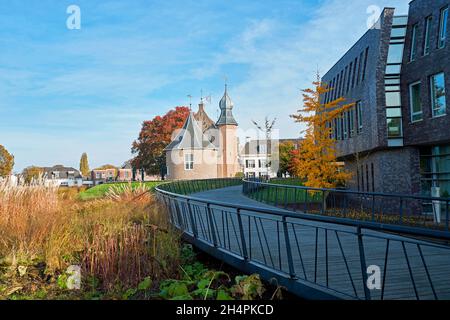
(226, 106)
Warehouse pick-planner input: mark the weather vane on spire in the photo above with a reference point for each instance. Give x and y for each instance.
(207, 99)
(226, 82)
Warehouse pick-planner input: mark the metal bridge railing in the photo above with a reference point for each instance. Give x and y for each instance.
(396, 212)
(186, 187)
(313, 256)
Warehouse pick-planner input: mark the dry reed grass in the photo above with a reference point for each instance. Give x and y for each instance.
(118, 240)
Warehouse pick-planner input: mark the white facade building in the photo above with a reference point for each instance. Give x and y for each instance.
(260, 159)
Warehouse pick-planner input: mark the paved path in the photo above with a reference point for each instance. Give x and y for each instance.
(319, 249)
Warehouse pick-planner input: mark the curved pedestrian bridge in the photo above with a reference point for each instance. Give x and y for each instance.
(313, 256)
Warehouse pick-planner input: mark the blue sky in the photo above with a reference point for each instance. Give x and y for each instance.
(64, 92)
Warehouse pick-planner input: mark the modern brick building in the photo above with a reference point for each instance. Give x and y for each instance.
(397, 137)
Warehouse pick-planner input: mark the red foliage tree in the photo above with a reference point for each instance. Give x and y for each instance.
(155, 135)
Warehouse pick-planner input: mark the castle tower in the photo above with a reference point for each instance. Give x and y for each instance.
(228, 163)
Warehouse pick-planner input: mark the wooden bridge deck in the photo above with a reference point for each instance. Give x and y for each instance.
(334, 242)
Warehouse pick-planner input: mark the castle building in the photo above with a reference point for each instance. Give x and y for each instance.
(203, 149)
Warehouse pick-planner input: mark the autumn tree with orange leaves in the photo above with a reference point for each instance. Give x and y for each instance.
(155, 135)
(315, 162)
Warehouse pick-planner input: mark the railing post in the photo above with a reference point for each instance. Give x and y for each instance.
(401, 210)
(288, 249)
(179, 214)
(322, 212)
(306, 200)
(362, 258)
(276, 196)
(446, 215)
(211, 224)
(285, 198)
(241, 231)
(191, 216)
(295, 200)
(373, 208)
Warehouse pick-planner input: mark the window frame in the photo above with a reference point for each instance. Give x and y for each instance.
(366, 56)
(339, 122)
(400, 127)
(414, 42)
(247, 164)
(188, 164)
(427, 36)
(411, 109)
(351, 122)
(345, 124)
(359, 117)
(442, 35)
(432, 96)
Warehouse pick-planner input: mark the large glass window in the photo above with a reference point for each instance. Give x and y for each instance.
(392, 81)
(393, 99)
(435, 169)
(412, 56)
(438, 103)
(415, 102)
(189, 161)
(394, 127)
(443, 27)
(395, 54)
(398, 32)
(400, 20)
(393, 69)
(427, 36)
(393, 112)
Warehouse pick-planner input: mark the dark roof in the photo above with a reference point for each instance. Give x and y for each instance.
(64, 172)
(191, 136)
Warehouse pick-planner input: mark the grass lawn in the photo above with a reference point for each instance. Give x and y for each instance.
(101, 190)
(281, 196)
